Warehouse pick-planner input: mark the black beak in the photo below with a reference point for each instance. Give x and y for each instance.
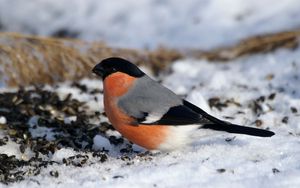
(98, 69)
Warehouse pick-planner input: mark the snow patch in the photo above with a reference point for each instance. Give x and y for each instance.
(2, 120)
(101, 143)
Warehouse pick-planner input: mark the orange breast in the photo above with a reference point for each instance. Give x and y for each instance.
(149, 137)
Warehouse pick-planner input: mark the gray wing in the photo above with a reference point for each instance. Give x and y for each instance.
(150, 103)
(148, 100)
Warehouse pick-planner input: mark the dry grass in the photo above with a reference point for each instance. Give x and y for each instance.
(257, 44)
(26, 60)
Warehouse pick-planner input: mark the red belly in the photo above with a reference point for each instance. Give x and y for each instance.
(147, 136)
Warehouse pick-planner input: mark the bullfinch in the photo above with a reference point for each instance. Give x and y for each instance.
(149, 114)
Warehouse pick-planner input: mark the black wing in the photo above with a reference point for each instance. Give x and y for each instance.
(178, 115)
(220, 125)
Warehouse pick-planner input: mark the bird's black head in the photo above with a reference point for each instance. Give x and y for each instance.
(115, 64)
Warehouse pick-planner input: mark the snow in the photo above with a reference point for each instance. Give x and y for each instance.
(214, 159)
(2, 120)
(38, 131)
(70, 119)
(101, 142)
(63, 153)
(12, 148)
(193, 23)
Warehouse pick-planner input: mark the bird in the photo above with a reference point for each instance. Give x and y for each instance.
(149, 114)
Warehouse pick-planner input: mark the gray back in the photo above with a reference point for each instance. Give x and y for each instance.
(148, 96)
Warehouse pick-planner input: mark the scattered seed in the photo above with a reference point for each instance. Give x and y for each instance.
(221, 170)
(54, 174)
(83, 161)
(258, 123)
(118, 176)
(230, 139)
(216, 102)
(228, 117)
(2, 142)
(81, 87)
(256, 107)
(261, 99)
(125, 158)
(272, 96)
(294, 110)
(35, 108)
(275, 170)
(64, 160)
(285, 119)
(103, 157)
(270, 77)
(22, 148)
(95, 91)
(115, 141)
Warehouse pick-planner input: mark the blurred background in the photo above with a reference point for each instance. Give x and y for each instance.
(154, 33)
(202, 24)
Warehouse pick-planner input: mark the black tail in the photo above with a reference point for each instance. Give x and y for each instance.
(232, 128)
(220, 125)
